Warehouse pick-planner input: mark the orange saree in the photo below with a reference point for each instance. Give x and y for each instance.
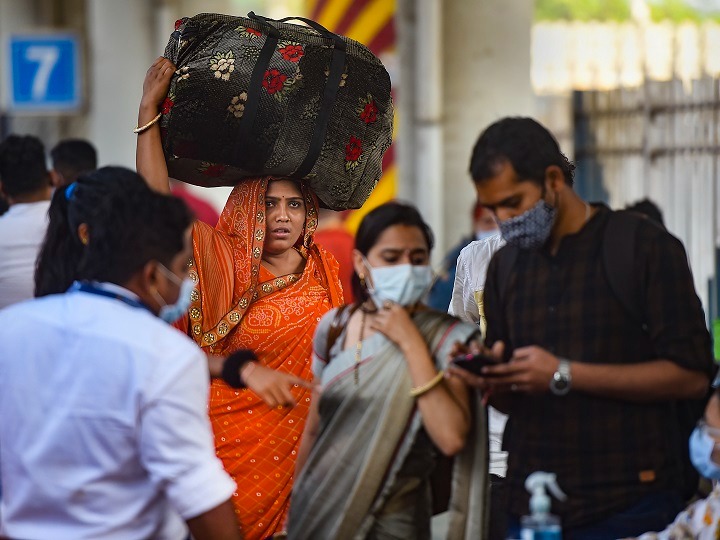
(238, 304)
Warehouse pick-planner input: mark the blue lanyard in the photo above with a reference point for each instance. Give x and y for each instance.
(88, 287)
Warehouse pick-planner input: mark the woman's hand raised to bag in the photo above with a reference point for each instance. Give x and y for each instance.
(273, 387)
(156, 85)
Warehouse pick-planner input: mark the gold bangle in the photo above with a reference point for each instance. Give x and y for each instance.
(140, 129)
(432, 383)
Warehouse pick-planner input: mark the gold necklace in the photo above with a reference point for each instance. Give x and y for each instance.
(358, 347)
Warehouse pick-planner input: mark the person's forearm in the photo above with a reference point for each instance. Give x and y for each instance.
(306, 443)
(445, 416)
(215, 365)
(219, 523)
(643, 382)
(310, 433)
(149, 157)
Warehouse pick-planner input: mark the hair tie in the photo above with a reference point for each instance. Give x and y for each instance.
(70, 190)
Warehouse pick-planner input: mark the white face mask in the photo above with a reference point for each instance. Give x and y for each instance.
(172, 312)
(404, 284)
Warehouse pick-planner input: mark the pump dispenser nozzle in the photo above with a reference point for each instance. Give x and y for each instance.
(539, 499)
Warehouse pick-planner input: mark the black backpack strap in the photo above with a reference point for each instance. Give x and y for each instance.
(621, 263)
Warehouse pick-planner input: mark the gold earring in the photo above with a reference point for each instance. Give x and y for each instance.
(362, 281)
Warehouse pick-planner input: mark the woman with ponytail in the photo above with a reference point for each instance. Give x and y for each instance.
(73, 211)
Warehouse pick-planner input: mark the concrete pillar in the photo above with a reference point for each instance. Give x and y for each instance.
(14, 17)
(17, 18)
(485, 74)
(121, 48)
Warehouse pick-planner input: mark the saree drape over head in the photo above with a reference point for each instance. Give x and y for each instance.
(368, 474)
(238, 304)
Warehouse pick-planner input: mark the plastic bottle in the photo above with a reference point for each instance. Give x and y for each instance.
(541, 524)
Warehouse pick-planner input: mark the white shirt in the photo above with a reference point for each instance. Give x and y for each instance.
(467, 304)
(104, 430)
(22, 230)
(472, 266)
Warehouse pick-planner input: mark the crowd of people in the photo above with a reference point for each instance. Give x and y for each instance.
(169, 373)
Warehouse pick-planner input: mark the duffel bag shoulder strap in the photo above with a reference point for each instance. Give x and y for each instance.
(337, 67)
(254, 88)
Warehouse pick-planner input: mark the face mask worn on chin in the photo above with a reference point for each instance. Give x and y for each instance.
(403, 284)
(172, 312)
(531, 229)
(701, 447)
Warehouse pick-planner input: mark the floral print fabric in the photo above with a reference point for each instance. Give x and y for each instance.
(208, 101)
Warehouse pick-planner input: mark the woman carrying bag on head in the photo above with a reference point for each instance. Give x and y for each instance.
(261, 284)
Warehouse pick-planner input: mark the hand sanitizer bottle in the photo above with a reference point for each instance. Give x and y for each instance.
(541, 524)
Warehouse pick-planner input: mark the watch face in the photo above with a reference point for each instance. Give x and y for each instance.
(559, 384)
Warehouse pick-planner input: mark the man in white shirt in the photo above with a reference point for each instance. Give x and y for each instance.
(103, 406)
(25, 183)
(467, 304)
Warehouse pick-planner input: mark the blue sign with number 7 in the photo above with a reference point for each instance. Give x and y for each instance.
(44, 73)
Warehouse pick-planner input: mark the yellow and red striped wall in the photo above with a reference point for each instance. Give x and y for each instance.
(372, 23)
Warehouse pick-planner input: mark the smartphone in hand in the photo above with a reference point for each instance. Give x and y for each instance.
(474, 362)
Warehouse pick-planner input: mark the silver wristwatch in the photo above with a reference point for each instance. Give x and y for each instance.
(561, 379)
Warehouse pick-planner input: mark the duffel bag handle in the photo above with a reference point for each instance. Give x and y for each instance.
(337, 65)
(319, 28)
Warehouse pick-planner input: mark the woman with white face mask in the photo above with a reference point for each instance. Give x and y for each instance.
(385, 410)
(701, 520)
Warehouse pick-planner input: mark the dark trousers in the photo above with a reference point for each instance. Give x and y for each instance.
(653, 512)
(498, 508)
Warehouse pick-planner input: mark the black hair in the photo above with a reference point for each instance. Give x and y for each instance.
(375, 223)
(523, 142)
(22, 165)
(138, 227)
(649, 209)
(88, 201)
(73, 157)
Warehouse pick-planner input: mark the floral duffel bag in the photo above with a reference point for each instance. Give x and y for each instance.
(253, 96)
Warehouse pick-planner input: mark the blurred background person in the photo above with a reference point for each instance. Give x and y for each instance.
(202, 209)
(74, 212)
(441, 293)
(71, 158)
(334, 237)
(25, 183)
(649, 209)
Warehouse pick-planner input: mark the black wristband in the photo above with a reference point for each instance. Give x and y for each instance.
(232, 365)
